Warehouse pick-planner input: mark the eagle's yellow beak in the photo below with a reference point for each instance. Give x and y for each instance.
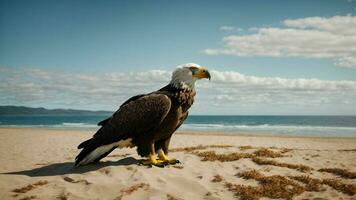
(202, 73)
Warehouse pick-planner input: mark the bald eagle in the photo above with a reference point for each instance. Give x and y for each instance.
(146, 121)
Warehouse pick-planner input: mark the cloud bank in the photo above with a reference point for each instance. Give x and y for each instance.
(312, 37)
(229, 92)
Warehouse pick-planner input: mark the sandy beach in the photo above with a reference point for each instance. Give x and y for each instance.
(38, 164)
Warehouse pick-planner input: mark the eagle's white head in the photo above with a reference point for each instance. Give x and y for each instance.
(185, 75)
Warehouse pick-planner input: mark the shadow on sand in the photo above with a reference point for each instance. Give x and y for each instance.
(68, 168)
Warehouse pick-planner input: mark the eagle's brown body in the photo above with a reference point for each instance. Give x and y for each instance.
(181, 101)
(145, 119)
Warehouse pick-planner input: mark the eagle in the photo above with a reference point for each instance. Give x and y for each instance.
(146, 121)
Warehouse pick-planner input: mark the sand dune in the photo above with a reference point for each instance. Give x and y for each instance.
(38, 164)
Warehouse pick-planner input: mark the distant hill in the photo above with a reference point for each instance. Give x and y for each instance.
(22, 110)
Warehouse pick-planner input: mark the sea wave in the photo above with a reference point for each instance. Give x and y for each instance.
(76, 125)
(302, 130)
(70, 124)
(65, 125)
(275, 129)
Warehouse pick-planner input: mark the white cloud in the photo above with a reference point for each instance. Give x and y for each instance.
(227, 28)
(347, 61)
(36, 87)
(339, 25)
(313, 37)
(229, 92)
(237, 80)
(230, 28)
(239, 93)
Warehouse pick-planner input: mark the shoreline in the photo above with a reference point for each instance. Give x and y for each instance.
(203, 133)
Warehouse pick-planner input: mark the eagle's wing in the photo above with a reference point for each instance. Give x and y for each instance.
(141, 115)
(102, 123)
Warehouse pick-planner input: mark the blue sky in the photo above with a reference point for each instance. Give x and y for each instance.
(96, 39)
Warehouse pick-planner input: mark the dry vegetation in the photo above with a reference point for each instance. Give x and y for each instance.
(315, 155)
(285, 150)
(260, 161)
(270, 186)
(178, 166)
(341, 172)
(30, 187)
(64, 196)
(132, 189)
(45, 163)
(171, 197)
(104, 171)
(212, 156)
(199, 147)
(130, 168)
(243, 148)
(284, 187)
(217, 178)
(264, 152)
(227, 157)
(314, 184)
(311, 184)
(347, 150)
(253, 174)
(29, 197)
(349, 189)
(68, 179)
(275, 186)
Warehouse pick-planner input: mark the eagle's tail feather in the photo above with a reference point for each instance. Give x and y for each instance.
(93, 153)
(85, 143)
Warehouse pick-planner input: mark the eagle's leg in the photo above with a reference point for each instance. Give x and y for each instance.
(152, 159)
(164, 158)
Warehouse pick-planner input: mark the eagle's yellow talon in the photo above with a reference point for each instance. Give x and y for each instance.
(153, 161)
(164, 158)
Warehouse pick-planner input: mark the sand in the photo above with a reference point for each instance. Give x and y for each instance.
(38, 164)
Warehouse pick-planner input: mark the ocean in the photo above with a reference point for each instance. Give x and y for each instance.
(321, 126)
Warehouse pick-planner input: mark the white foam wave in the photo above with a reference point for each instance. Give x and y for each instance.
(72, 124)
(323, 131)
(279, 129)
(76, 125)
(64, 125)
